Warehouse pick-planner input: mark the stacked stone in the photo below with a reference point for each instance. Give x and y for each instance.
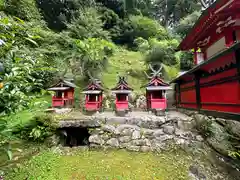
(147, 133)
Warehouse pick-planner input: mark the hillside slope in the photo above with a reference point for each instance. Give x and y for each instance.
(127, 63)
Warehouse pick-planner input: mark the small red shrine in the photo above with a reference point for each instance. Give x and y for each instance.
(122, 91)
(93, 96)
(213, 85)
(64, 94)
(156, 92)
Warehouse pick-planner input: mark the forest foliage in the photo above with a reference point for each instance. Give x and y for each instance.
(44, 40)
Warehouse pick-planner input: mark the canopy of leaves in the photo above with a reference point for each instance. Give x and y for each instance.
(171, 11)
(186, 60)
(24, 9)
(89, 57)
(144, 27)
(118, 6)
(187, 23)
(57, 13)
(162, 52)
(87, 24)
(25, 71)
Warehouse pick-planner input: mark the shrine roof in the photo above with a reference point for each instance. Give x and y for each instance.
(58, 88)
(64, 83)
(121, 91)
(92, 92)
(156, 81)
(155, 88)
(122, 85)
(205, 63)
(217, 12)
(94, 85)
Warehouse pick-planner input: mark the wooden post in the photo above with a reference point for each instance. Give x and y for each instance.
(179, 94)
(237, 57)
(198, 94)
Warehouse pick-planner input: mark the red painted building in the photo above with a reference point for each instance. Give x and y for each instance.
(212, 86)
(156, 94)
(63, 94)
(122, 91)
(93, 96)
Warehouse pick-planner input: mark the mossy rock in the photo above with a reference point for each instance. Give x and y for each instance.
(219, 139)
(233, 127)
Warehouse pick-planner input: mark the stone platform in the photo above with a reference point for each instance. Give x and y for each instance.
(137, 131)
(143, 119)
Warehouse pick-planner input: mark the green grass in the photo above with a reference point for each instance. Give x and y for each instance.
(123, 62)
(132, 63)
(99, 165)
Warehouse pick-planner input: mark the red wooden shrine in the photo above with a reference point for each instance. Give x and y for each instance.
(122, 91)
(64, 94)
(93, 96)
(156, 94)
(212, 86)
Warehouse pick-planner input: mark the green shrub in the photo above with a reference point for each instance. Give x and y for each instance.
(39, 133)
(146, 28)
(162, 51)
(38, 129)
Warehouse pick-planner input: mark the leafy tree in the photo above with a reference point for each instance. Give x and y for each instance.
(109, 17)
(88, 24)
(171, 11)
(162, 52)
(124, 8)
(112, 23)
(24, 9)
(118, 6)
(24, 76)
(139, 7)
(144, 27)
(88, 57)
(187, 23)
(58, 12)
(25, 70)
(186, 59)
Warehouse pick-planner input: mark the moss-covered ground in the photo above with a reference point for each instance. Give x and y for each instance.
(102, 165)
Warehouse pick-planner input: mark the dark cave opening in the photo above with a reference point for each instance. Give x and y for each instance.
(74, 136)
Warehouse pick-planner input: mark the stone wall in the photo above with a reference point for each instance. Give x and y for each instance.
(144, 133)
(223, 135)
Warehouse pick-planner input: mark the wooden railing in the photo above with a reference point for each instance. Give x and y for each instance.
(62, 102)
